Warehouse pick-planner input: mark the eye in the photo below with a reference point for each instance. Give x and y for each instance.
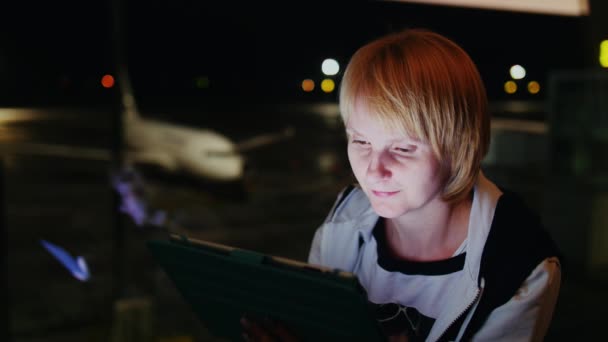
(359, 142)
(409, 149)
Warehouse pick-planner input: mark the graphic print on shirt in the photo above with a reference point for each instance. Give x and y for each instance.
(396, 319)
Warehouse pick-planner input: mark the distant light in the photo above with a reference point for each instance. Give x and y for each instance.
(533, 87)
(330, 67)
(510, 87)
(604, 53)
(107, 81)
(553, 7)
(308, 85)
(517, 72)
(328, 162)
(202, 82)
(328, 85)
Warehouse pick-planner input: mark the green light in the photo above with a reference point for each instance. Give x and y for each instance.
(202, 82)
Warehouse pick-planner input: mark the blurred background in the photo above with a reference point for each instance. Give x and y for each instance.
(224, 118)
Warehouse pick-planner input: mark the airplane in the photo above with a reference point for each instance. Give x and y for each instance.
(177, 150)
(200, 152)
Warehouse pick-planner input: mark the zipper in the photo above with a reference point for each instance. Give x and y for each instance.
(466, 310)
(361, 243)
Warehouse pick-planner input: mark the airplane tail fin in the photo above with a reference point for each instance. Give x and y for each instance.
(129, 105)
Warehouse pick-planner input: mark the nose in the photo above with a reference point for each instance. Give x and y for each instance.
(379, 166)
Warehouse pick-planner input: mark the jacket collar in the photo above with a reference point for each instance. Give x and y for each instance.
(360, 214)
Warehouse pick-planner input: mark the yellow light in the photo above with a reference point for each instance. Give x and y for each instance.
(328, 85)
(308, 85)
(533, 87)
(604, 53)
(510, 87)
(107, 81)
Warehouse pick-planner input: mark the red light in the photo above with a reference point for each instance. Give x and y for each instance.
(107, 81)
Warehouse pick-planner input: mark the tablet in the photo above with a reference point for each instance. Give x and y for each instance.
(222, 283)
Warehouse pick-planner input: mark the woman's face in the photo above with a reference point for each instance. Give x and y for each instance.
(399, 175)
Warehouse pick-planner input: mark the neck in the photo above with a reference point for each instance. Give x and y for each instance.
(435, 235)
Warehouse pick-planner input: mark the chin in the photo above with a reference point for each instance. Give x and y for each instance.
(387, 212)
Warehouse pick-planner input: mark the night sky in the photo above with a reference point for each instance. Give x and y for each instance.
(56, 52)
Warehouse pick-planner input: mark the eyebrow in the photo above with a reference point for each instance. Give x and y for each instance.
(406, 139)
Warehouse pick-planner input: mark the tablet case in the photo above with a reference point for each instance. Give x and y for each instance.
(222, 283)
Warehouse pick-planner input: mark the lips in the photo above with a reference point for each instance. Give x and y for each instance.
(384, 194)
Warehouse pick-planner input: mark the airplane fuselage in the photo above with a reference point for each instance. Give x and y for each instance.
(199, 151)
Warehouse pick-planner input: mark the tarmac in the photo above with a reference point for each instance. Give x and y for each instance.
(288, 192)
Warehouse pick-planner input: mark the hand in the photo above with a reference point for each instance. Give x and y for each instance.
(265, 330)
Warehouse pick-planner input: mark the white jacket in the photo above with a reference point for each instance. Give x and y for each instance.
(525, 317)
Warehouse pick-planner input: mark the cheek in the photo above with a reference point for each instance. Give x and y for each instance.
(351, 158)
(435, 176)
(356, 162)
(357, 168)
(436, 169)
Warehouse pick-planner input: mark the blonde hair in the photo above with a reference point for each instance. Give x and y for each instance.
(426, 86)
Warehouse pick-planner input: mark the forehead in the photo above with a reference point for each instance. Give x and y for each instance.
(365, 120)
(371, 129)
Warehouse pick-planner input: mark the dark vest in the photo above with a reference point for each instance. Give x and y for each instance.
(517, 243)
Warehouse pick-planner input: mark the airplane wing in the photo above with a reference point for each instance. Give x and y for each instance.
(265, 139)
(154, 158)
(87, 153)
(55, 150)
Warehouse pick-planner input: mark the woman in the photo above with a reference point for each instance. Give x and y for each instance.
(442, 252)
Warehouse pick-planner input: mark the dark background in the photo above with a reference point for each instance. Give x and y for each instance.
(56, 52)
(254, 56)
